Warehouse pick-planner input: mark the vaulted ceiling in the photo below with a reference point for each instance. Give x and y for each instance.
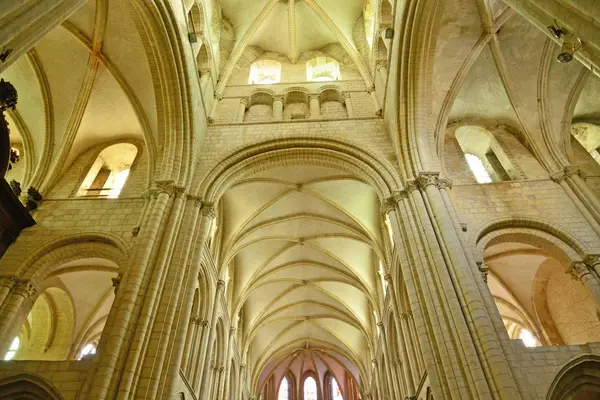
(303, 245)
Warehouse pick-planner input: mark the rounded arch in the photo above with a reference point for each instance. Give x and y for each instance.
(579, 375)
(27, 386)
(377, 172)
(560, 243)
(176, 123)
(49, 258)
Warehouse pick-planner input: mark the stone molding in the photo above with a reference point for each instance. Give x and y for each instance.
(26, 289)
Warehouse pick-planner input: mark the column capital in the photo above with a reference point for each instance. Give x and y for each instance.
(592, 260)
(374, 361)
(572, 170)
(371, 89)
(345, 96)
(484, 269)
(208, 210)
(218, 96)
(381, 64)
(232, 330)
(220, 284)
(388, 278)
(204, 323)
(245, 101)
(388, 204)
(278, 98)
(577, 270)
(426, 179)
(205, 72)
(26, 289)
(314, 96)
(116, 281)
(170, 188)
(8, 281)
(558, 177)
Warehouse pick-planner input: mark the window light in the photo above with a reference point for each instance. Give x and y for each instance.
(528, 338)
(107, 176)
(12, 350)
(322, 69)
(265, 72)
(336, 393)
(310, 389)
(478, 169)
(284, 390)
(88, 349)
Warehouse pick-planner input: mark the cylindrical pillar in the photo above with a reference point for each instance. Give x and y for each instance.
(241, 381)
(204, 79)
(213, 110)
(15, 299)
(278, 108)
(406, 363)
(315, 106)
(226, 385)
(376, 105)
(348, 104)
(583, 273)
(210, 338)
(392, 384)
(242, 110)
(6, 285)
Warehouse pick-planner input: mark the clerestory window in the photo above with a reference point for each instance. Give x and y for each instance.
(284, 390)
(322, 69)
(310, 389)
(265, 72)
(12, 350)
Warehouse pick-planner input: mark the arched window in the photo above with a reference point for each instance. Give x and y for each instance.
(588, 135)
(310, 388)
(369, 22)
(87, 350)
(108, 174)
(265, 72)
(12, 350)
(322, 69)
(336, 393)
(478, 169)
(485, 157)
(284, 390)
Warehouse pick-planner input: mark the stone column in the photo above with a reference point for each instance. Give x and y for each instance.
(7, 283)
(593, 261)
(242, 110)
(9, 317)
(21, 33)
(376, 105)
(377, 378)
(278, 108)
(226, 385)
(211, 337)
(204, 79)
(572, 188)
(406, 364)
(587, 276)
(392, 384)
(348, 103)
(382, 70)
(315, 106)
(213, 110)
(190, 337)
(198, 355)
(241, 381)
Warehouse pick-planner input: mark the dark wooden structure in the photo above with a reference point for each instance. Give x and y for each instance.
(14, 217)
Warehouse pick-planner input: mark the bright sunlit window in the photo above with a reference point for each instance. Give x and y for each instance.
(388, 225)
(284, 390)
(336, 393)
(107, 176)
(265, 72)
(12, 350)
(88, 349)
(384, 283)
(322, 69)
(528, 338)
(310, 389)
(478, 169)
(369, 22)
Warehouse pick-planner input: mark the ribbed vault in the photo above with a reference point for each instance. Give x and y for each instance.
(302, 246)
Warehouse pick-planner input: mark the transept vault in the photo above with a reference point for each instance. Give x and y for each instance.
(300, 199)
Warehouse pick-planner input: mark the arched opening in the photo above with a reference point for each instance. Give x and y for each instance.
(296, 105)
(485, 157)
(27, 387)
(588, 136)
(309, 389)
(108, 174)
(260, 107)
(322, 69)
(538, 302)
(265, 72)
(284, 389)
(579, 380)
